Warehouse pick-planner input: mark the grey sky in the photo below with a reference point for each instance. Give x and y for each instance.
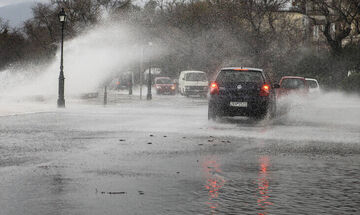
(17, 11)
(4, 3)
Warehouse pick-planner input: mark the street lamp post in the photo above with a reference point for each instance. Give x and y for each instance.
(131, 83)
(141, 70)
(149, 96)
(61, 99)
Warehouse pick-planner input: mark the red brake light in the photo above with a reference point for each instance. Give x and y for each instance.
(265, 90)
(214, 88)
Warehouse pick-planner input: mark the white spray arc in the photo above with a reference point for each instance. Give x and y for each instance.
(89, 59)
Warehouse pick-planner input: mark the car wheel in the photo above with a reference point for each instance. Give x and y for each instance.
(259, 115)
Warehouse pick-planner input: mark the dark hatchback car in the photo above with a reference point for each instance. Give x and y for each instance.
(241, 91)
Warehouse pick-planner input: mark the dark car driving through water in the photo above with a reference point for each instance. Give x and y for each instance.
(241, 91)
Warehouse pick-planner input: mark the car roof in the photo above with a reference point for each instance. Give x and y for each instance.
(310, 79)
(298, 77)
(192, 71)
(248, 68)
(162, 78)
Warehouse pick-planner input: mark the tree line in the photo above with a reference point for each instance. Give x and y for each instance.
(206, 34)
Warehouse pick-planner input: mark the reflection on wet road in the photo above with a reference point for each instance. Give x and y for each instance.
(164, 157)
(264, 190)
(214, 182)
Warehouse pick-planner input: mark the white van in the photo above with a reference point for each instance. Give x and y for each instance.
(193, 83)
(313, 85)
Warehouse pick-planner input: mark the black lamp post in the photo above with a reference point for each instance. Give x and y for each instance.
(131, 83)
(61, 99)
(149, 96)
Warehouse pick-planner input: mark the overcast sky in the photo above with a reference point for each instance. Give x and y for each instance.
(17, 11)
(14, 2)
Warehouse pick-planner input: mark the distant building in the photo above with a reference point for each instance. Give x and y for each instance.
(316, 19)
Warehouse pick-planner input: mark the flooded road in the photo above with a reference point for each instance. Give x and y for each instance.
(164, 157)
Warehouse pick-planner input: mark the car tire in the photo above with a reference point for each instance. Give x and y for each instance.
(259, 115)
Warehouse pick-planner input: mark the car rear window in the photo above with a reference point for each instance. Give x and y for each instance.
(226, 76)
(292, 83)
(195, 77)
(163, 81)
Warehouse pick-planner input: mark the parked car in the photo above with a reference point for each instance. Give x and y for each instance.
(193, 83)
(313, 85)
(120, 83)
(241, 91)
(292, 85)
(164, 85)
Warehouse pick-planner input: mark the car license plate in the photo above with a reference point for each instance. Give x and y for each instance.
(238, 104)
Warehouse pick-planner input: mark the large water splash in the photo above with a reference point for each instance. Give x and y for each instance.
(89, 59)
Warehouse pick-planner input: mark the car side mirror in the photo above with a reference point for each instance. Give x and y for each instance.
(276, 86)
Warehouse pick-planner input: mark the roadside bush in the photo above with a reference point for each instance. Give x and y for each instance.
(352, 83)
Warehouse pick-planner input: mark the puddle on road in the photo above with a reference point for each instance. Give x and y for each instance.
(214, 182)
(194, 175)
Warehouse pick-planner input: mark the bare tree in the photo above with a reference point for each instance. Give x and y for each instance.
(340, 19)
(12, 44)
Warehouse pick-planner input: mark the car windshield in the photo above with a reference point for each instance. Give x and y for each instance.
(292, 83)
(195, 77)
(312, 83)
(163, 81)
(240, 76)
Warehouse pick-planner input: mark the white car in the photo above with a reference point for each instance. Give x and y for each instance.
(313, 85)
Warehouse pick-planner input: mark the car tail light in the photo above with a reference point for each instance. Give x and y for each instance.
(265, 90)
(214, 88)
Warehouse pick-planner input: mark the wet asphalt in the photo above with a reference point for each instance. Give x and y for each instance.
(164, 157)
